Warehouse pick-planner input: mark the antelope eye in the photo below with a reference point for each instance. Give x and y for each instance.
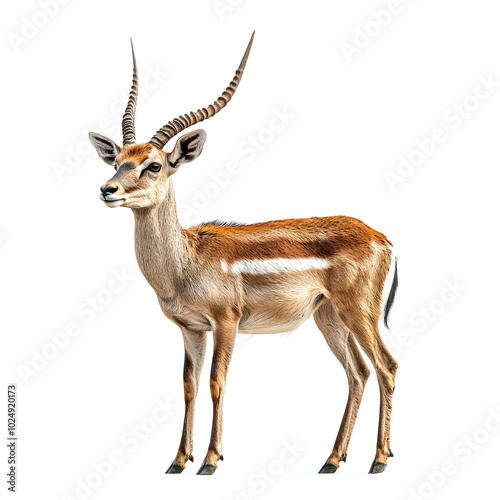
(154, 167)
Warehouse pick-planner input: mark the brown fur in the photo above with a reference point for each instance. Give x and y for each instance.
(134, 153)
(295, 238)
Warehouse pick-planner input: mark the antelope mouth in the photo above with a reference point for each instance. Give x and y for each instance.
(112, 202)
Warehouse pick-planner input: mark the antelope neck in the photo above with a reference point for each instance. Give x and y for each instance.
(160, 244)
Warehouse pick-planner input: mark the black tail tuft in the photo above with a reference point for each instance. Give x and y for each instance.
(392, 294)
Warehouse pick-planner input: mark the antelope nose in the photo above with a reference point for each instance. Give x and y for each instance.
(108, 190)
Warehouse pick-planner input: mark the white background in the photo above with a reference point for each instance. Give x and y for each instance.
(353, 118)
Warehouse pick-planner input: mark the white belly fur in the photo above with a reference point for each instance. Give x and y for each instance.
(249, 329)
(280, 314)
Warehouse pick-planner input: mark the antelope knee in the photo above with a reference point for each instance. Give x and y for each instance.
(189, 391)
(364, 373)
(393, 368)
(216, 388)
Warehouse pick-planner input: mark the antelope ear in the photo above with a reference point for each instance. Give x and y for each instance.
(106, 148)
(187, 148)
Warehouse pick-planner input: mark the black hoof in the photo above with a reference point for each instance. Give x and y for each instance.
(377, 467)
(328, 469)
(206, 470)
(174, 469)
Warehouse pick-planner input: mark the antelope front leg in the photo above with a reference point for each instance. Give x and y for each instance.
(195, 346)
(224, 337)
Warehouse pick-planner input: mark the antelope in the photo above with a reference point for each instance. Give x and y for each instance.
(263, 278)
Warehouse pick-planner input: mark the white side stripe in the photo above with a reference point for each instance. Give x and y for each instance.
(265, 266)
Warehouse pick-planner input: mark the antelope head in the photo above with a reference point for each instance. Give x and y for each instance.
(142, 169)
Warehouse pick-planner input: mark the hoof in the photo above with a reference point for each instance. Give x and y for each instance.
(328, 469)
(174, 469)
(377, 467)
(206, 470)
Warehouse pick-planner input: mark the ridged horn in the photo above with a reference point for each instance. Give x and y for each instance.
(128, 121)
(177, 125)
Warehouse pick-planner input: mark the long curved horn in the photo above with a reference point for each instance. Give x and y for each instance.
(177, 125)
(128, 121)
